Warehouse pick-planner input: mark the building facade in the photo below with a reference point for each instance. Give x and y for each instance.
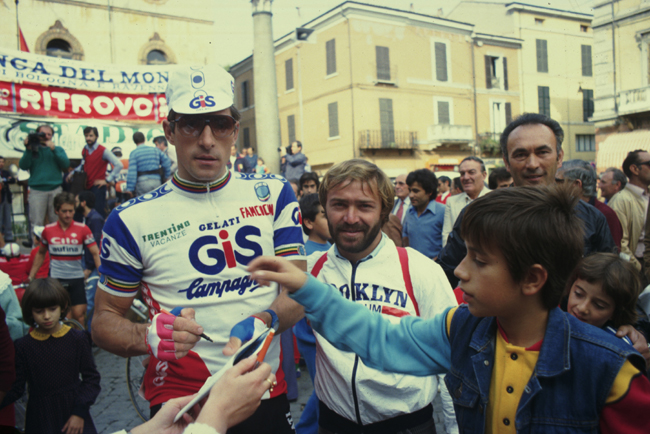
(125, 32)
(622, 70)
(556, 74)
(401, 89)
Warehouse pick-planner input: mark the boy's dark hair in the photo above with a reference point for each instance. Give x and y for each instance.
(445, 180)
(307, 176)
(309, 208)
(619, 280)
(42, 293)
(426, 178)
(632, 158)
(138, 137)
(89, 130)
(532, 119)
(88, 197)
(529, 225)
(63, 197)
(497, 175)
(457, 184)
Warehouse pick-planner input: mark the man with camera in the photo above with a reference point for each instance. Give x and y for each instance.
(45, 163)
(293, 163)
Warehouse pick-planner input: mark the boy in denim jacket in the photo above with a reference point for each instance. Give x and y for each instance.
(516, 362)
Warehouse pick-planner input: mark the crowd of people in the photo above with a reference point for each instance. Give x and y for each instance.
(519, 306)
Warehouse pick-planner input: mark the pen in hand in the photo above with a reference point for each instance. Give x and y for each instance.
(176, 311)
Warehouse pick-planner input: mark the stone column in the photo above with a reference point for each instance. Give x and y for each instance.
(267, 120)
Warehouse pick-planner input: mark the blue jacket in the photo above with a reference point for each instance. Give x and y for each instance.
(576, 367)
(558, 397)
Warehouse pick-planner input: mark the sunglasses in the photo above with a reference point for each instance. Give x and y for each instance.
(222, 126)
(645, 163)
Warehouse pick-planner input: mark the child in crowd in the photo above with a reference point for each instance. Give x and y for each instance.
(314, 224)
(261, 167)
(49, 359)
(603, 292)
(515, 361)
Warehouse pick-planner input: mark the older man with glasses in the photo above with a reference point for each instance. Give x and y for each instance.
(187, 245)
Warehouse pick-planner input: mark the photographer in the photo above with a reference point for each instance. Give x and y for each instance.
(293, 164)
(45, 163)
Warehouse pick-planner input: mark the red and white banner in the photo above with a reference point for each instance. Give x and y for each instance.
(59, 102)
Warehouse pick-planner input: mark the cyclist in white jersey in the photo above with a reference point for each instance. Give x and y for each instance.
(187, 244)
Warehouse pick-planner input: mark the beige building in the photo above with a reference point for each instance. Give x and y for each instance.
(555, 69)
(124, 32)
(622, 70)
(401, 89)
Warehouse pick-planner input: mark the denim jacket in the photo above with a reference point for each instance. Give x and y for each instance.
(565, 394)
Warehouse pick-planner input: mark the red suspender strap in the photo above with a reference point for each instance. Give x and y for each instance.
(318, 265)
(404, 262)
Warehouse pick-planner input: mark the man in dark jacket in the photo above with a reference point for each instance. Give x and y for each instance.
(294, 163)
(531, 147)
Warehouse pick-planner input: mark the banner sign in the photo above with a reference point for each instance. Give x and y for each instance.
(69, 134)
(50, 101)
(18, 66)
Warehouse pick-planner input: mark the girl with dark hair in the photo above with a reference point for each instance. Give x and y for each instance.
(50, 359)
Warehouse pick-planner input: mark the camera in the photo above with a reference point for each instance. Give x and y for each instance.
(287, 148)
(34, 140)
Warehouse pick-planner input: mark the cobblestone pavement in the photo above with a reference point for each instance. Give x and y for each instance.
(113, 410)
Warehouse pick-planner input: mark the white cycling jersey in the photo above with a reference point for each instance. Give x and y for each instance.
(189, 245)
(393, 286)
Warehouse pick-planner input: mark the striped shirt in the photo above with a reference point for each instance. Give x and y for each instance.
(144, 159)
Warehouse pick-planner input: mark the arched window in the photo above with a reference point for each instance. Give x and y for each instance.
(156, 52)
(156, 57)
(57, 41)
(59, 48)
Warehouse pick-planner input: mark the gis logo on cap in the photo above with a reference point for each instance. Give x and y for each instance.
(202, 100)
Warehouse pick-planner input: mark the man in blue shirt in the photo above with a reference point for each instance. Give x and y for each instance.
(423, 222)
(144, 167)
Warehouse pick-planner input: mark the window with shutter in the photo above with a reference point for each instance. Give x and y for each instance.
(288, 68)
(441, 61)
(443, 112)
(508, 113)
(587, 104)
(383, 63)
(386, 122)
(330, 53)
(586, 61)
(244, 94)
(544, 100)
(488, 72)
(333, 113)
(291, 128)
(542, 55)
(505, 73)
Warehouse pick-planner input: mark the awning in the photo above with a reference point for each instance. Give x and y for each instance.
(615, 148)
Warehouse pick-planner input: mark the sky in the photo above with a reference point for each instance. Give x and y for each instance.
(234, 22)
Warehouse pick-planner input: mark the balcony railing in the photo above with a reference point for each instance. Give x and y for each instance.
(387, 139)
(634, 100)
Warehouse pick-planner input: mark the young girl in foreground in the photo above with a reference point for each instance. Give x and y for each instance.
(603, 292)
(50, 359)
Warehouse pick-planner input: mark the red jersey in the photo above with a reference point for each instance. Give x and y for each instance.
(66, 249)
(16, 268)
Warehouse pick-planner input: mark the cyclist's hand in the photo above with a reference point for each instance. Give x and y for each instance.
(171, 337)
(74, 425)
(242, 332)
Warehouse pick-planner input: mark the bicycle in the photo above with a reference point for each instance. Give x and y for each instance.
(136, 366)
